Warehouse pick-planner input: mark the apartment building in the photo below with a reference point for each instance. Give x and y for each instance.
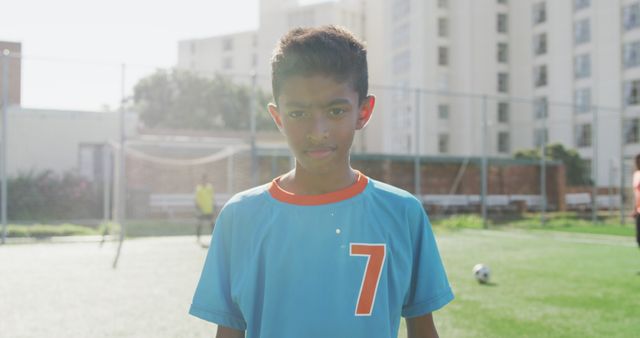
(467, 77)
(239, 55)
(536, 71)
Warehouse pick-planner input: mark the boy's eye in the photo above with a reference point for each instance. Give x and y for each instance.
(296, 113)
(336, 111)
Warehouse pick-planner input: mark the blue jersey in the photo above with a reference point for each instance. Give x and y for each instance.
(343, 264)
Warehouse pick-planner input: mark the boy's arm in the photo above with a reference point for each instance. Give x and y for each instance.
(225, 332)
(421, 327)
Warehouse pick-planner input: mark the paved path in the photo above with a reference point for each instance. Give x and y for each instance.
(70, 290)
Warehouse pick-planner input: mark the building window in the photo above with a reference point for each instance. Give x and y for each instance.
(443, 56)
(540, 75)
(504, 2)
(443, 111)
(91, 161)
(503, 82)
(227, 63)
(402, 62)
(193, 47)
(254, 40)
(443, 26)
(581, 4)
(503, 112)
(503, 52)
(443, 82)
(540, 108)
(540, 137)
(503, 142)
(254, 60)
(583, 135)
(582, 100)
(400, 9)
(582, 66)
(540, 44)
(632, 131)
(631, 54)
(227, 44)
(502, 24)
(632, 92)
(631, 16)
(442, 3)
(582, 31)
(443, 143)
(539, 13)
(401, 36)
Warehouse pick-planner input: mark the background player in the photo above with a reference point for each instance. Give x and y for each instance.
(205, 206)
(321, 251)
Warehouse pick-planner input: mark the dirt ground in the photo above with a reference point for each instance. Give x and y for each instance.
(70, 289)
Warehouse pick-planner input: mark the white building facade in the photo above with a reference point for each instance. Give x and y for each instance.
(536, 71)
(62, 141)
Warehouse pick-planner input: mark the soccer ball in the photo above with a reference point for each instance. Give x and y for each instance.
(482, 273)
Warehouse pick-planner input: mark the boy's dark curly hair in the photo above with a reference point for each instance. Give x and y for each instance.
(329, 50)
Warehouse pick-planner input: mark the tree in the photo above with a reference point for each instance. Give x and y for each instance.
(576, 168)
(184, 100)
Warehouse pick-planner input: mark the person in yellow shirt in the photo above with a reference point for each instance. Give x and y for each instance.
(205, 205)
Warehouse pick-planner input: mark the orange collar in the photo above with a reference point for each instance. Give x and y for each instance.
(282, 195)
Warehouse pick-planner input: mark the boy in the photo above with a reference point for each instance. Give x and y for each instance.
(321, 251)
(205, 205)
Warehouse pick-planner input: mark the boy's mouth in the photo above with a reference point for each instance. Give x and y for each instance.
(320, 152)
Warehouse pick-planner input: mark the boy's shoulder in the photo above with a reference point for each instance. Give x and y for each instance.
(392, 193)
(252, 195)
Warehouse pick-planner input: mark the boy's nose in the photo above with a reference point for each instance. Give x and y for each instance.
(319, 131)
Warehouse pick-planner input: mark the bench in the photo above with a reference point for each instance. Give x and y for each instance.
(444, 202)
(608, 202)
(493, 202)
(172, 204)
(532, 202)
(578, 201)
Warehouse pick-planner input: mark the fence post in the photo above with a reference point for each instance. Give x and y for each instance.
(3, 158)
(483, 185)
(622, 166)
(122, 183)
(594, 166)
(416, 163)
(252, 112)
(543, 168)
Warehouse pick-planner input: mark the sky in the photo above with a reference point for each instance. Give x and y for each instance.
(73, 49)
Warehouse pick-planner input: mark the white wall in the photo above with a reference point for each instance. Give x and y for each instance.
(41, 139)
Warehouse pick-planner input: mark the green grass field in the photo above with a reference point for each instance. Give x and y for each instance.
(544, 284)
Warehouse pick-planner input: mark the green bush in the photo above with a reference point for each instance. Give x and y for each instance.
(461, 222)
(46, 230)
(43, 196)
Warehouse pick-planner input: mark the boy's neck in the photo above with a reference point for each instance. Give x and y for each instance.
(301, 182)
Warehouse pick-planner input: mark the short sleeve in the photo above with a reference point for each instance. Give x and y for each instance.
(212, 300)
(429, 290)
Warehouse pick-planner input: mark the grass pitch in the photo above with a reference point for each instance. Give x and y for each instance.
(544, 284)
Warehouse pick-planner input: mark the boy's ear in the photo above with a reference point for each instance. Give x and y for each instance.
(275, 115)
(366, 109)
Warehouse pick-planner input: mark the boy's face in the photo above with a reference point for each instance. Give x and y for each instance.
(319, 117)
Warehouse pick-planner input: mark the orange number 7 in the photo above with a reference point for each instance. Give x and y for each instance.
(375, 254)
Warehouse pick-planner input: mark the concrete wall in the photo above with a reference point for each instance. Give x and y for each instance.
(50, 139)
